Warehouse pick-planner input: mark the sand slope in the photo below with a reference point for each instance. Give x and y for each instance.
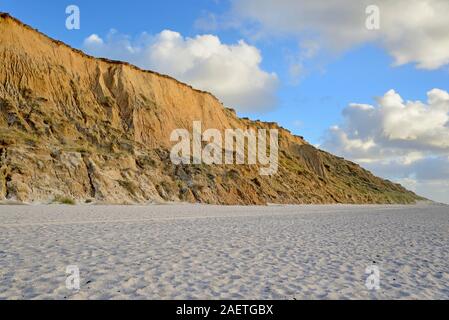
(211, 252)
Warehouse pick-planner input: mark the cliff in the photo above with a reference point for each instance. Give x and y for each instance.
(73, 126)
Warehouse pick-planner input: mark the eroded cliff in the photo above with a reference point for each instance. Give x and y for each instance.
(72, 126)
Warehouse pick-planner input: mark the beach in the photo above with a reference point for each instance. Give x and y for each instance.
(224, 252)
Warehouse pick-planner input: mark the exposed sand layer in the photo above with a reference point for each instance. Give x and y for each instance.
(212, 252)
(76, 128)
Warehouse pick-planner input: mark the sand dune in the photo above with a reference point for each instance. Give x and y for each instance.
(213, 252)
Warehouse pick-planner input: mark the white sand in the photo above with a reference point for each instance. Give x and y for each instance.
(211, 252)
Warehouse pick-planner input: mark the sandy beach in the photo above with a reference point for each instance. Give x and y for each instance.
(215, 252)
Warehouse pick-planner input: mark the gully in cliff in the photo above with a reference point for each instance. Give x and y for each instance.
(189, 148)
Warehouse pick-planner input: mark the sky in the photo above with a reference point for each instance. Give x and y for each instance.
(373, 93)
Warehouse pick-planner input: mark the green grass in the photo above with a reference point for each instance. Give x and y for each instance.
(64, 200)
(131, 187)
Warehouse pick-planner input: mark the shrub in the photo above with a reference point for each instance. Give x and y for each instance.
(64, 200)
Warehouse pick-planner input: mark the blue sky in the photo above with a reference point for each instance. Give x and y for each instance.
(329, 81)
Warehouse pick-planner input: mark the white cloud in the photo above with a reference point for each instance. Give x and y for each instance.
(404, 140)
(231, 72)
(412, 31)
(93, 40)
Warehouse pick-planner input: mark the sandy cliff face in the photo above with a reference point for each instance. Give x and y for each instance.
(89, 129)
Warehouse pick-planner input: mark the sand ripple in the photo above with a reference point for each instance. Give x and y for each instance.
(211, 252)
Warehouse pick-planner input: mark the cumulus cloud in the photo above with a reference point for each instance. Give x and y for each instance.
(93, 40)
(396, 124)
(412, 31)
(231, 72)
(405, 140)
